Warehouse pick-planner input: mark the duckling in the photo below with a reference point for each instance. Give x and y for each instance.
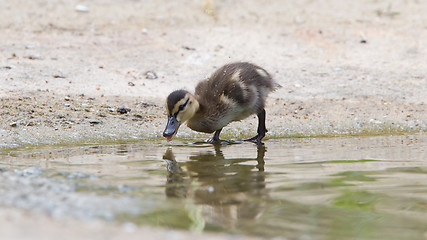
(233, 93)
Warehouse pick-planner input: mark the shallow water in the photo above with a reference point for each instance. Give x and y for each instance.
(327, 188)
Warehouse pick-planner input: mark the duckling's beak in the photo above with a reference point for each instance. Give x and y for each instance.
(171, 128)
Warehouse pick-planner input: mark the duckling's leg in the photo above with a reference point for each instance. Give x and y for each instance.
(261, 129)
(215, 137)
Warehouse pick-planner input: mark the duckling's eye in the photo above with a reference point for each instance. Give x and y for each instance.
(181, 107)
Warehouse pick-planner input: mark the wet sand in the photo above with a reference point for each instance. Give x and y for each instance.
(346, 68)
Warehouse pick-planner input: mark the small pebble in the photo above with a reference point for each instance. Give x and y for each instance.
(34, 57)
(218, 47)
(67, 105)
(146, 104)
(123, 110)
(111, 109)
(14, 124)
(144, 31)
(375, 121)
(188, 48)
(81, 8)
(94, 121)
(150, 75)
(29, 47)
(131, 84)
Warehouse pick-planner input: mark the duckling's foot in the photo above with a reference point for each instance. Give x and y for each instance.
(211, 140)
(261, 129)
(215, 137)
(257, 139)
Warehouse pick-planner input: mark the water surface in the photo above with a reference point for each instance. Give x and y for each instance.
(327, 188)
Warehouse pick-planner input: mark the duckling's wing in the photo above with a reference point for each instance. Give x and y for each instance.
(232, 93)
(243, 82)
(242, 85)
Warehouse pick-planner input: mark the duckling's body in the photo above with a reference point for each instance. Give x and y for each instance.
(232, 93)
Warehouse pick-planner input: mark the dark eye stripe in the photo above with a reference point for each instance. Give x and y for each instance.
(182, 106)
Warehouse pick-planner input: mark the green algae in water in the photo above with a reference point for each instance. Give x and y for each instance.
(357, 200)
(354, 176)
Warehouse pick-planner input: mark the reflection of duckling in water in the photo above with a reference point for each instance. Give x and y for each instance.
(232, 93)
(223, 187)
(176, 186)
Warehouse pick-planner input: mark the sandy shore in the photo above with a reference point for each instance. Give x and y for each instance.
(345, 67)
(354, 68)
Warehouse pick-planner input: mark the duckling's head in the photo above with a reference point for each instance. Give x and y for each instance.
(181, 106)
